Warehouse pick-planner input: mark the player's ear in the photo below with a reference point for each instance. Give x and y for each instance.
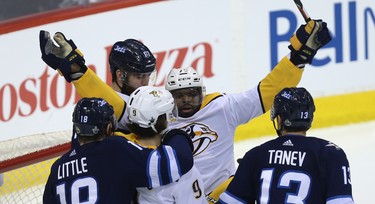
(109, 130)
(118, 74)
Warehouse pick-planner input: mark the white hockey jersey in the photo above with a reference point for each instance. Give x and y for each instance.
(124, 119)
(188, 189)
(212, 131)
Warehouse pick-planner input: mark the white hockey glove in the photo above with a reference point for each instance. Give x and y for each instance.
(63, 56)
(307, 40)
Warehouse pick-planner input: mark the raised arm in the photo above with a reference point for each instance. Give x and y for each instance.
(304, 44)
(68, 60)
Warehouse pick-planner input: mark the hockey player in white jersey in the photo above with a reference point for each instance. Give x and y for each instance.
(147, 106)
(210, 120)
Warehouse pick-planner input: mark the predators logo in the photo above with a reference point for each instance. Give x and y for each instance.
(155, 93)
(201, 135)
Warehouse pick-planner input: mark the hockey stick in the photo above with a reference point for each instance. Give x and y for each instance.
(302, 10)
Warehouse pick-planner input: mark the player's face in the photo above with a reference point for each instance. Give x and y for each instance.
(136, 80)
(188, 101)
(132, 81)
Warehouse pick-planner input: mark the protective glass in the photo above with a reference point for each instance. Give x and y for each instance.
(152, 78)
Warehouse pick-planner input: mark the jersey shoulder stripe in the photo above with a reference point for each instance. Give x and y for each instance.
(153, 166)
(173, 165)
(163, 167)
(209, 98)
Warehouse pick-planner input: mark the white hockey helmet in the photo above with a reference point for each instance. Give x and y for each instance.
(147, 103)
(185, 77)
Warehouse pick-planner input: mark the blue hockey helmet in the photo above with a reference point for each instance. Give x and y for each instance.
(92, 115)
(131, 56)
(296, 108)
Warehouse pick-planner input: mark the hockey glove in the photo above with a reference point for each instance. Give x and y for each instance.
(307, 40)
(61, 57)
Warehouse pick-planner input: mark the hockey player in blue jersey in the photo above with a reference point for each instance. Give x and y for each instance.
(293, 168)
(108, 169)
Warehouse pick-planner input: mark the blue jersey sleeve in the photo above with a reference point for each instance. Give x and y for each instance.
(337, 176)
(242, 189)
(163, 165)
(178, 142)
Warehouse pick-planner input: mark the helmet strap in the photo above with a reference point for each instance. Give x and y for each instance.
(153, 128)
(125, 87)
(118, 85)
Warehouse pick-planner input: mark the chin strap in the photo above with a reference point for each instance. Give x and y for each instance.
(125, 88)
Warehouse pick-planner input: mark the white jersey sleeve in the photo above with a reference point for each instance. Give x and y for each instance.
(188, 189)
(123, 120)
(244, 106)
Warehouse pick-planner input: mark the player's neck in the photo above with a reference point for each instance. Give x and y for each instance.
(83, 141)
(294, 133)
(154, 141)
(115, 87)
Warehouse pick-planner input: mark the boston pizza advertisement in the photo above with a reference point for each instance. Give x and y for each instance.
(233, 44)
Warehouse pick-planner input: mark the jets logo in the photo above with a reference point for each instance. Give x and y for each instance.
(102, 102)
(119, 49)
(201, 135)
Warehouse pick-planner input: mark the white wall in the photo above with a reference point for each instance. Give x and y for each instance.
(230, 41)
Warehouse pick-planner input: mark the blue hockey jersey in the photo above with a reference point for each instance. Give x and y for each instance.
(292, 169)
(109, 171)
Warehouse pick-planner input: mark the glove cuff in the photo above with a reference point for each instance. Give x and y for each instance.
(74, 57)
(297, 60)
(304, 55)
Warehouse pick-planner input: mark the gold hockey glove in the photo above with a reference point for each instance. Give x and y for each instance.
(63, 56)
(307, 40)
